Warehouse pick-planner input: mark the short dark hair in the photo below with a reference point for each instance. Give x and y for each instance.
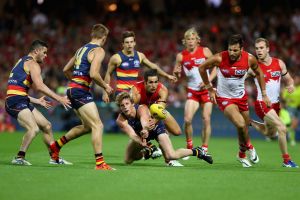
(236, 39)
(263, 40)
(121, 96)
(37, 44)
(127, 34)
(99, 31)
(151, 72)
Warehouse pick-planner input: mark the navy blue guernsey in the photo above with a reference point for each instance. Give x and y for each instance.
(127, 72)
(135, 123)
(81, 73)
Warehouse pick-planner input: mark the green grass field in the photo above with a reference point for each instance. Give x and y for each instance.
(151, 179)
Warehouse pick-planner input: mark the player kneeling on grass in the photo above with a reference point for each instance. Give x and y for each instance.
(136, 122)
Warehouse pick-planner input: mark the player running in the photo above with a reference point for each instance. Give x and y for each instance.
(274, 71)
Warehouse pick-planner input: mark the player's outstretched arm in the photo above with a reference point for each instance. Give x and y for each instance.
(126, 128)
(178, 67)
(35, 72)
(163, 96)
(97, 56)
(114, 61)
(213, 73)
(211, 62)
(260, 78)
(148, 63)
(286, 77)
(41, 101)
(144, 114)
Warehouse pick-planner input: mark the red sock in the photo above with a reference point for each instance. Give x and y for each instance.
(242, 154)
(189, 143)
(205, 147)
(243, 149)
(249, 145)
(286, 157)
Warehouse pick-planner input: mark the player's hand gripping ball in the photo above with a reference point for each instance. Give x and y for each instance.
(158, 111)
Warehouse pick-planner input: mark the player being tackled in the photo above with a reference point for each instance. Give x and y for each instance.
(137, 123)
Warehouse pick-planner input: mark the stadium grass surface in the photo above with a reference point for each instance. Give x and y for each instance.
(151, 179)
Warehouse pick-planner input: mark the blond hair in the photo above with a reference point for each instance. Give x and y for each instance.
(188, 33)
(123, 95)
(99, 31)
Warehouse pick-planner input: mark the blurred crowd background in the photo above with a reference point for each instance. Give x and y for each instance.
(159, 26)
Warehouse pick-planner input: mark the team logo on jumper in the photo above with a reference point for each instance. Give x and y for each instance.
(199, 61)
(240, 71)
(77, 73)
(22, 105)
(224, 103)
(12, 81)
(189, 94)
(136, 63)
(125, 64)
(186, 63)
(225, 71)
(275, 74)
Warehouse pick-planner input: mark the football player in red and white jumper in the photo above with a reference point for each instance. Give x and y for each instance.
(274, 71)
(232, 66)
(189, 60)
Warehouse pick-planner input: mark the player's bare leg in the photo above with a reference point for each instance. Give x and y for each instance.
(171, 154)
(27, 121)
(206, 122)
(133, 152)
(73, 133)
(90, 117)
(241, 121)
(190, 109)
(172, 125)
(273, 119)
(45, 126)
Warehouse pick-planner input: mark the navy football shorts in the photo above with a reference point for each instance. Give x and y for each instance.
(79, 97)
(17, 103)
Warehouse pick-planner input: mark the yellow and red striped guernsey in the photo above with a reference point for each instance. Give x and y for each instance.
(81, 73)
(128, 71)
(19, 80)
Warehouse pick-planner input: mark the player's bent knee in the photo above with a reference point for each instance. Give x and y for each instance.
(97, 125)
(47, 127)
(33, 131)
(241, 125)
(206, 120)
(282, 129)
(187, 121)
